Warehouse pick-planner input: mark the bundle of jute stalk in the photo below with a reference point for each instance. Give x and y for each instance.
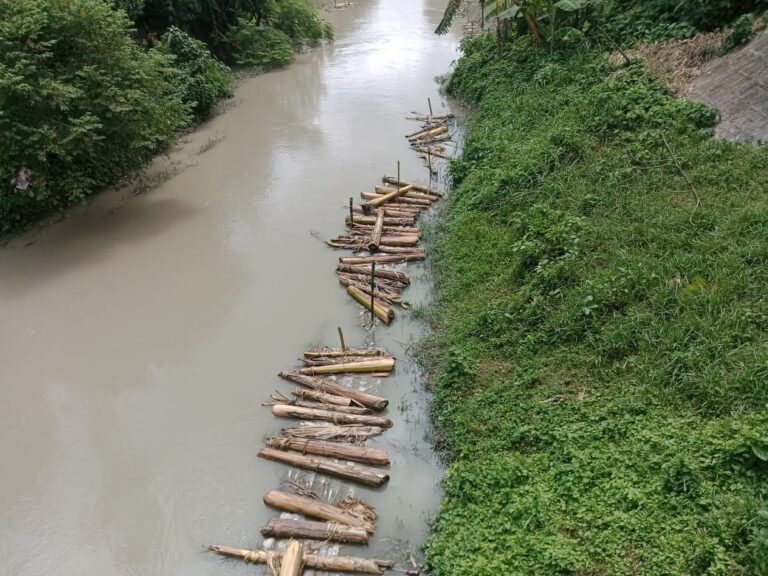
(324, 385)
(314, 561)
(354, 433)
(362, 454)
(344, 470)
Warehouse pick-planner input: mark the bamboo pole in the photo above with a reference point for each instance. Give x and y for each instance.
(340, 470)
(367, 400)
(370, 205)
(315, 509)
(392, 259)
(326, 563)
(402, 201)
(285, 411)
(341, 338)
(330, 353)
(412, 194)
(428, 133)
(378, 229)
(292, 561)
(310, 529)
(377, 307)
(422, 118)
(417, 187)
(379, 364)
(330, 432)
(362, 454)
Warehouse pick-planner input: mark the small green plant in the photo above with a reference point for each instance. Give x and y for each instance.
(741, 32)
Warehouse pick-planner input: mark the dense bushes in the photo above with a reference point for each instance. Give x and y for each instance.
(602, 329)
(259, 47)
(86, 97)
(200, 78)
(657, 19)
(80, 103)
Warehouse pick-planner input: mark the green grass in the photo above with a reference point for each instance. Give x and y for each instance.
(601, 355)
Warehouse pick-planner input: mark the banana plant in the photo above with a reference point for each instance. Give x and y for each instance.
(541, 17)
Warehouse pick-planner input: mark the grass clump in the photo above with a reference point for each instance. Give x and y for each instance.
(602, 343)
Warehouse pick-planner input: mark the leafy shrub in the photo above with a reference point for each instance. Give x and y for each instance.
(133, 8)
(201, 79)
(259, 47)
(741, 33)
(659, 19)
(80, 103)
(299, 21)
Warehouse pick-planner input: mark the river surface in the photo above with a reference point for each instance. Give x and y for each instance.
(140, 335)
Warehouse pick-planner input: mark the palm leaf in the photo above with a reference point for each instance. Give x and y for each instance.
(448, 16)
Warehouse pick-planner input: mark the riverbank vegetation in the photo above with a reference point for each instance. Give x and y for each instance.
(601, 355)
(91, 89)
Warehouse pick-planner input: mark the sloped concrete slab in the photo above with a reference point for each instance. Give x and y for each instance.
(737, 85)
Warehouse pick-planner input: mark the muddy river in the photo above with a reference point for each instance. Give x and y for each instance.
(139, 335)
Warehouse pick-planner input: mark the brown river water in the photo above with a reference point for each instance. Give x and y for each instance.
(140, 335)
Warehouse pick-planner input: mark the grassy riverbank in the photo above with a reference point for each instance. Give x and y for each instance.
(602, 351)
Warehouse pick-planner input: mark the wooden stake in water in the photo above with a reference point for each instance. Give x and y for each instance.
(351, 214)
(373, 287)
(341, 337)
(398, 173)
(429, 101)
